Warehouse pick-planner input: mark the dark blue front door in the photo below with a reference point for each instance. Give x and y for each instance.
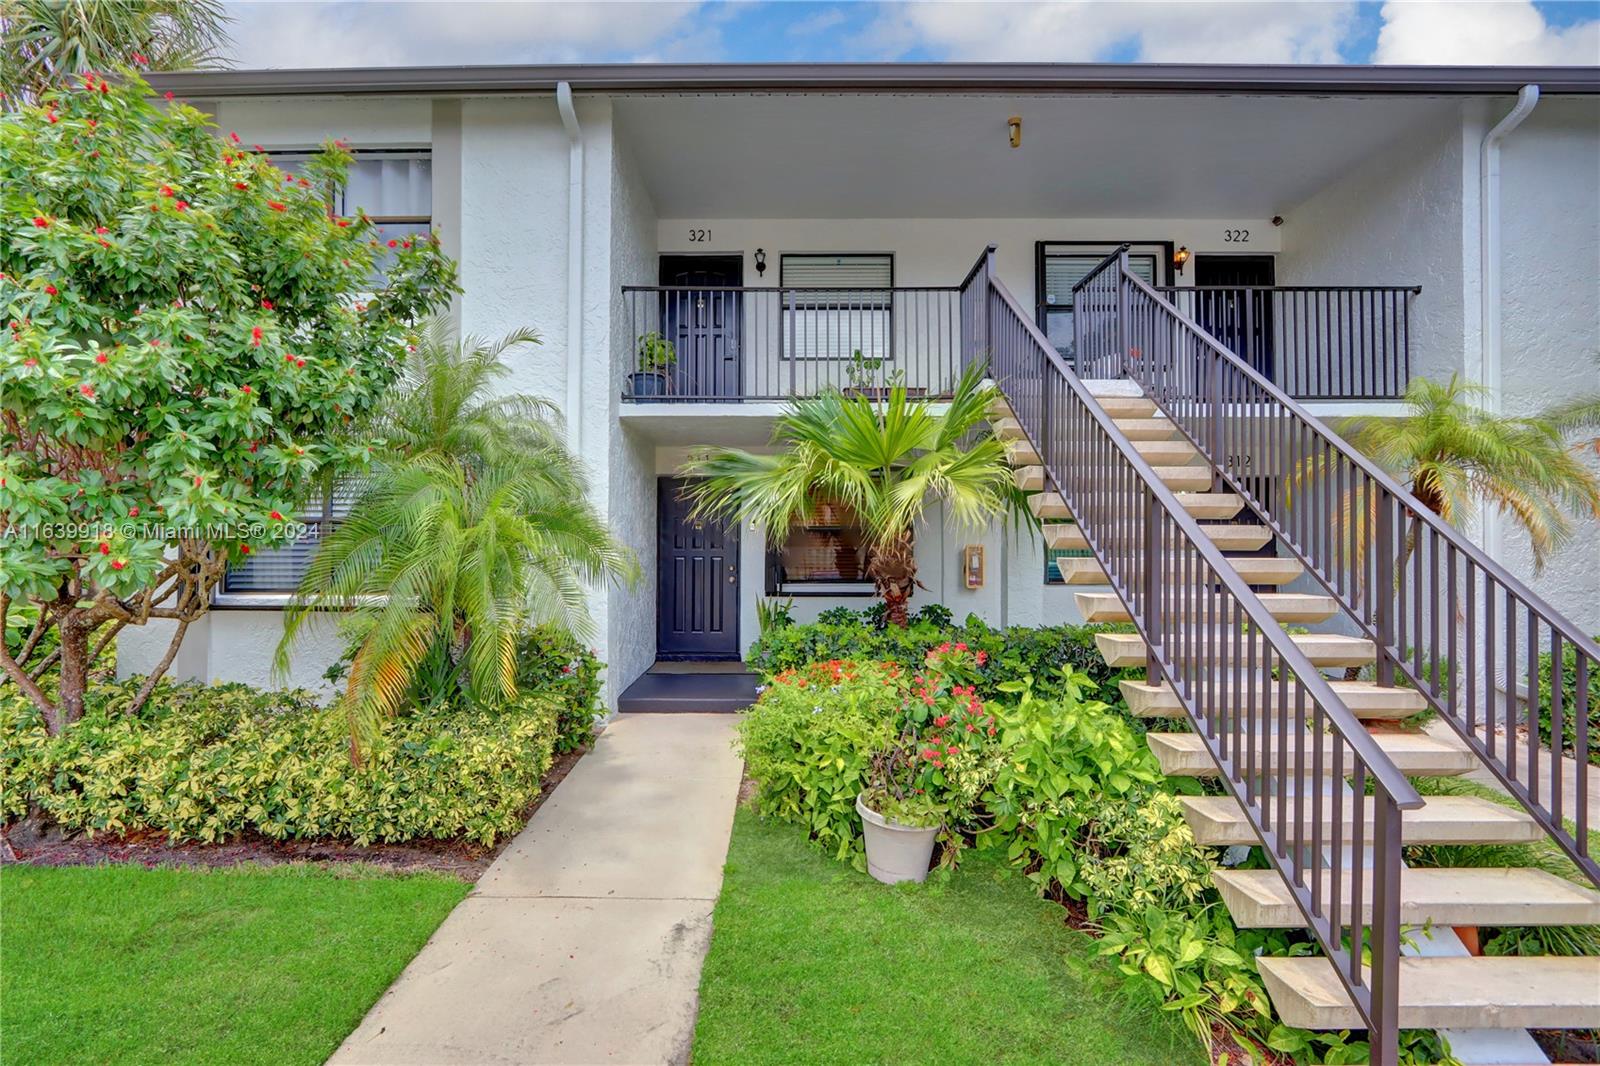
(697, 614)
(702, 314)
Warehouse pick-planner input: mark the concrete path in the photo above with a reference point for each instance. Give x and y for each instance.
(583, 942)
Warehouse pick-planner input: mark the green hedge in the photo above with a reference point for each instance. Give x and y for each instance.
(551, 663)
(1014, 653)
(208, 762)
(1569, 700)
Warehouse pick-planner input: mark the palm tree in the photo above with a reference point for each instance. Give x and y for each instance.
(43, 43)
(473, 526)
(884, 460)
(1454, 453)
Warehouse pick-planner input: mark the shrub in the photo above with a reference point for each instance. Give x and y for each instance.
(1014, 653)
(552, 663)
(207, 763)
(1569, 700)
(809, 741)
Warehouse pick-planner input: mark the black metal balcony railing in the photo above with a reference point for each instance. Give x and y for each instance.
(1330, 342)
(728, 344)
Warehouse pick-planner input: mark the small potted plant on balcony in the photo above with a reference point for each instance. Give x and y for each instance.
(656, 357)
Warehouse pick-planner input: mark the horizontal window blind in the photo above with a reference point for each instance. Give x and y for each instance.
(849, 311)
(280, 569)
(1063, 271)
(840, 272)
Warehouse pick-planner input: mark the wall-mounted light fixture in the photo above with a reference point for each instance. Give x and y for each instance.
(972, 566)
(1180, 257)
(761, 261)
(1014, 124)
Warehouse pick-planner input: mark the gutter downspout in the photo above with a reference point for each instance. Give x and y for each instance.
(574, 408)
(1489, 366)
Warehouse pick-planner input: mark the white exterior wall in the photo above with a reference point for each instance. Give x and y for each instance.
(1550, 308)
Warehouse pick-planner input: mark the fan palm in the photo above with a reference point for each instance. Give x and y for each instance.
(883, 460)
(473, 525)
(45, 42)
(1454, 453)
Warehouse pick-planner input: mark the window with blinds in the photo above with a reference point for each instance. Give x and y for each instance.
(825, 553)
(279, 570)
(840, 304)
(1063, 266)
(393, 186)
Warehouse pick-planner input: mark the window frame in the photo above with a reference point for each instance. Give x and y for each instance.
(1041, 253)
(886, 308)
(804, 587)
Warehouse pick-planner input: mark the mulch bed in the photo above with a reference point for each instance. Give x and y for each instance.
(25, 842)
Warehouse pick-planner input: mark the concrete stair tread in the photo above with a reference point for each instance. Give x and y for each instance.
(1127, 406)
(1147, 428)
(1284, 606)
(1256, 571)
(1188, 478)
(1219, 821)
(1168, 452)
(1366, 699)
(1413, 754)
(1103, 387)
(1219, 506)
(1259, 899)
(1323, 649)
(1474, 992)
(1019, 452)
(1008, 429)
(1231, 536)
(1048, 505)
(1029, 478)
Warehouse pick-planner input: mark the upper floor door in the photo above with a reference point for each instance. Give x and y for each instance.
(703, 316)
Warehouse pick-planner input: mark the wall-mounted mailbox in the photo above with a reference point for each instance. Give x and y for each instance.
(972, 566)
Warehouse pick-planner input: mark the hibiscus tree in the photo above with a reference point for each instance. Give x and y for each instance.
(189, 331)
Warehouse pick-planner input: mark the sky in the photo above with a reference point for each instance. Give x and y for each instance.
(296, 33)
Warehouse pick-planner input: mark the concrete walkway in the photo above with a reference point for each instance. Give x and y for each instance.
(583, 942)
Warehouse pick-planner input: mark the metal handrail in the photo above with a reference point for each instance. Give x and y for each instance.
(1364, 571)
(1170, 576)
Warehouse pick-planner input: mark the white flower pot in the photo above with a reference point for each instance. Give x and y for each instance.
(896, 852)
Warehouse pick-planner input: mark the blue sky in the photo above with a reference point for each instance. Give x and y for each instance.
(289, 33)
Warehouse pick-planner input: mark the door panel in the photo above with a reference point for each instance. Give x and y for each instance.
(1242, 319)
(697, 613)
(704, 324)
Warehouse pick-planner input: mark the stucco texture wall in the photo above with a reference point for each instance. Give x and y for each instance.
(1550, 308)
(1397, 218)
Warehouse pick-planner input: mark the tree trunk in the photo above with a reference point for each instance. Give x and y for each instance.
(74, 669)
(893, 570)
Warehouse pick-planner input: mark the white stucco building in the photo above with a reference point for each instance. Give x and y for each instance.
(572, 195)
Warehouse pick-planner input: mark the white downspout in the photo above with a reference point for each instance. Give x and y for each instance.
(1489, 367)
(574, 409)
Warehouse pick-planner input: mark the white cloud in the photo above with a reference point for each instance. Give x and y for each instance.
(1492, 32)
(1084, 30)
(826, 19)
(294, 33)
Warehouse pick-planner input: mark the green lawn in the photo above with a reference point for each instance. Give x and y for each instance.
(813, 963)
(128, 965)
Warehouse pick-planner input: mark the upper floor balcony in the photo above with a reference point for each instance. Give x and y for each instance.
(730, 344)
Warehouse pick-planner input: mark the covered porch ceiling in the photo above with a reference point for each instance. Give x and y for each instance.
(891, 155)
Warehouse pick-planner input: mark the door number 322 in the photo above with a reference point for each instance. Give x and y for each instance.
(1235, 236)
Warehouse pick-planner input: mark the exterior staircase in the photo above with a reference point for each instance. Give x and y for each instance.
(1316, 772)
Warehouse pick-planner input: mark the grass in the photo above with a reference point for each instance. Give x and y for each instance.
(246, 965)
(814, 963)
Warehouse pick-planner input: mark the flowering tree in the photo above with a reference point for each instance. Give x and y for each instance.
(189, 333)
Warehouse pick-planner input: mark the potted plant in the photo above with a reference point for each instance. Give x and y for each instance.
(656, 356)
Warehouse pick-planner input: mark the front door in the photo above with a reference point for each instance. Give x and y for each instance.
(702, 314)
(1230, 307)
(697, 615)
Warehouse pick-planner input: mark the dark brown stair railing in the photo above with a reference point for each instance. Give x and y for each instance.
(1284, 742)
(1480, 646)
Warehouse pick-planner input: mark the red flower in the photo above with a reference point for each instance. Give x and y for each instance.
(241, 186)
(51, 289)
(167, 94)
(141, 60)
(101, 229)
(41, 222)
(101, 358)
(276, 206)
(343, 222)
(52, 117)
(245, 548)
(394, 244)
(197, 480)
(182, 206)
(133, 512)
(234, 137)
(267, 304)
(276, 517)
(941, 721)
(255, 337)
(117, 564)
(299, 362)
(87, 389)
(245, 389)
(105, 549)
(30, 361)
(166, 190)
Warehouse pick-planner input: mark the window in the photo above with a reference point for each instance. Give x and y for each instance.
(279, 570)
(393, 186)
(842, 304)
(1061, 266)
(826, 553)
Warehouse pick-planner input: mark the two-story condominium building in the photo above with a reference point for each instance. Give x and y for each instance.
(1176, 276)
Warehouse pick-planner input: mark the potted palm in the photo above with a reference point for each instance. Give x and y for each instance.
(656, 357)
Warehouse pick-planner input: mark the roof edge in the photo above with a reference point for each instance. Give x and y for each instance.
(884, 77)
